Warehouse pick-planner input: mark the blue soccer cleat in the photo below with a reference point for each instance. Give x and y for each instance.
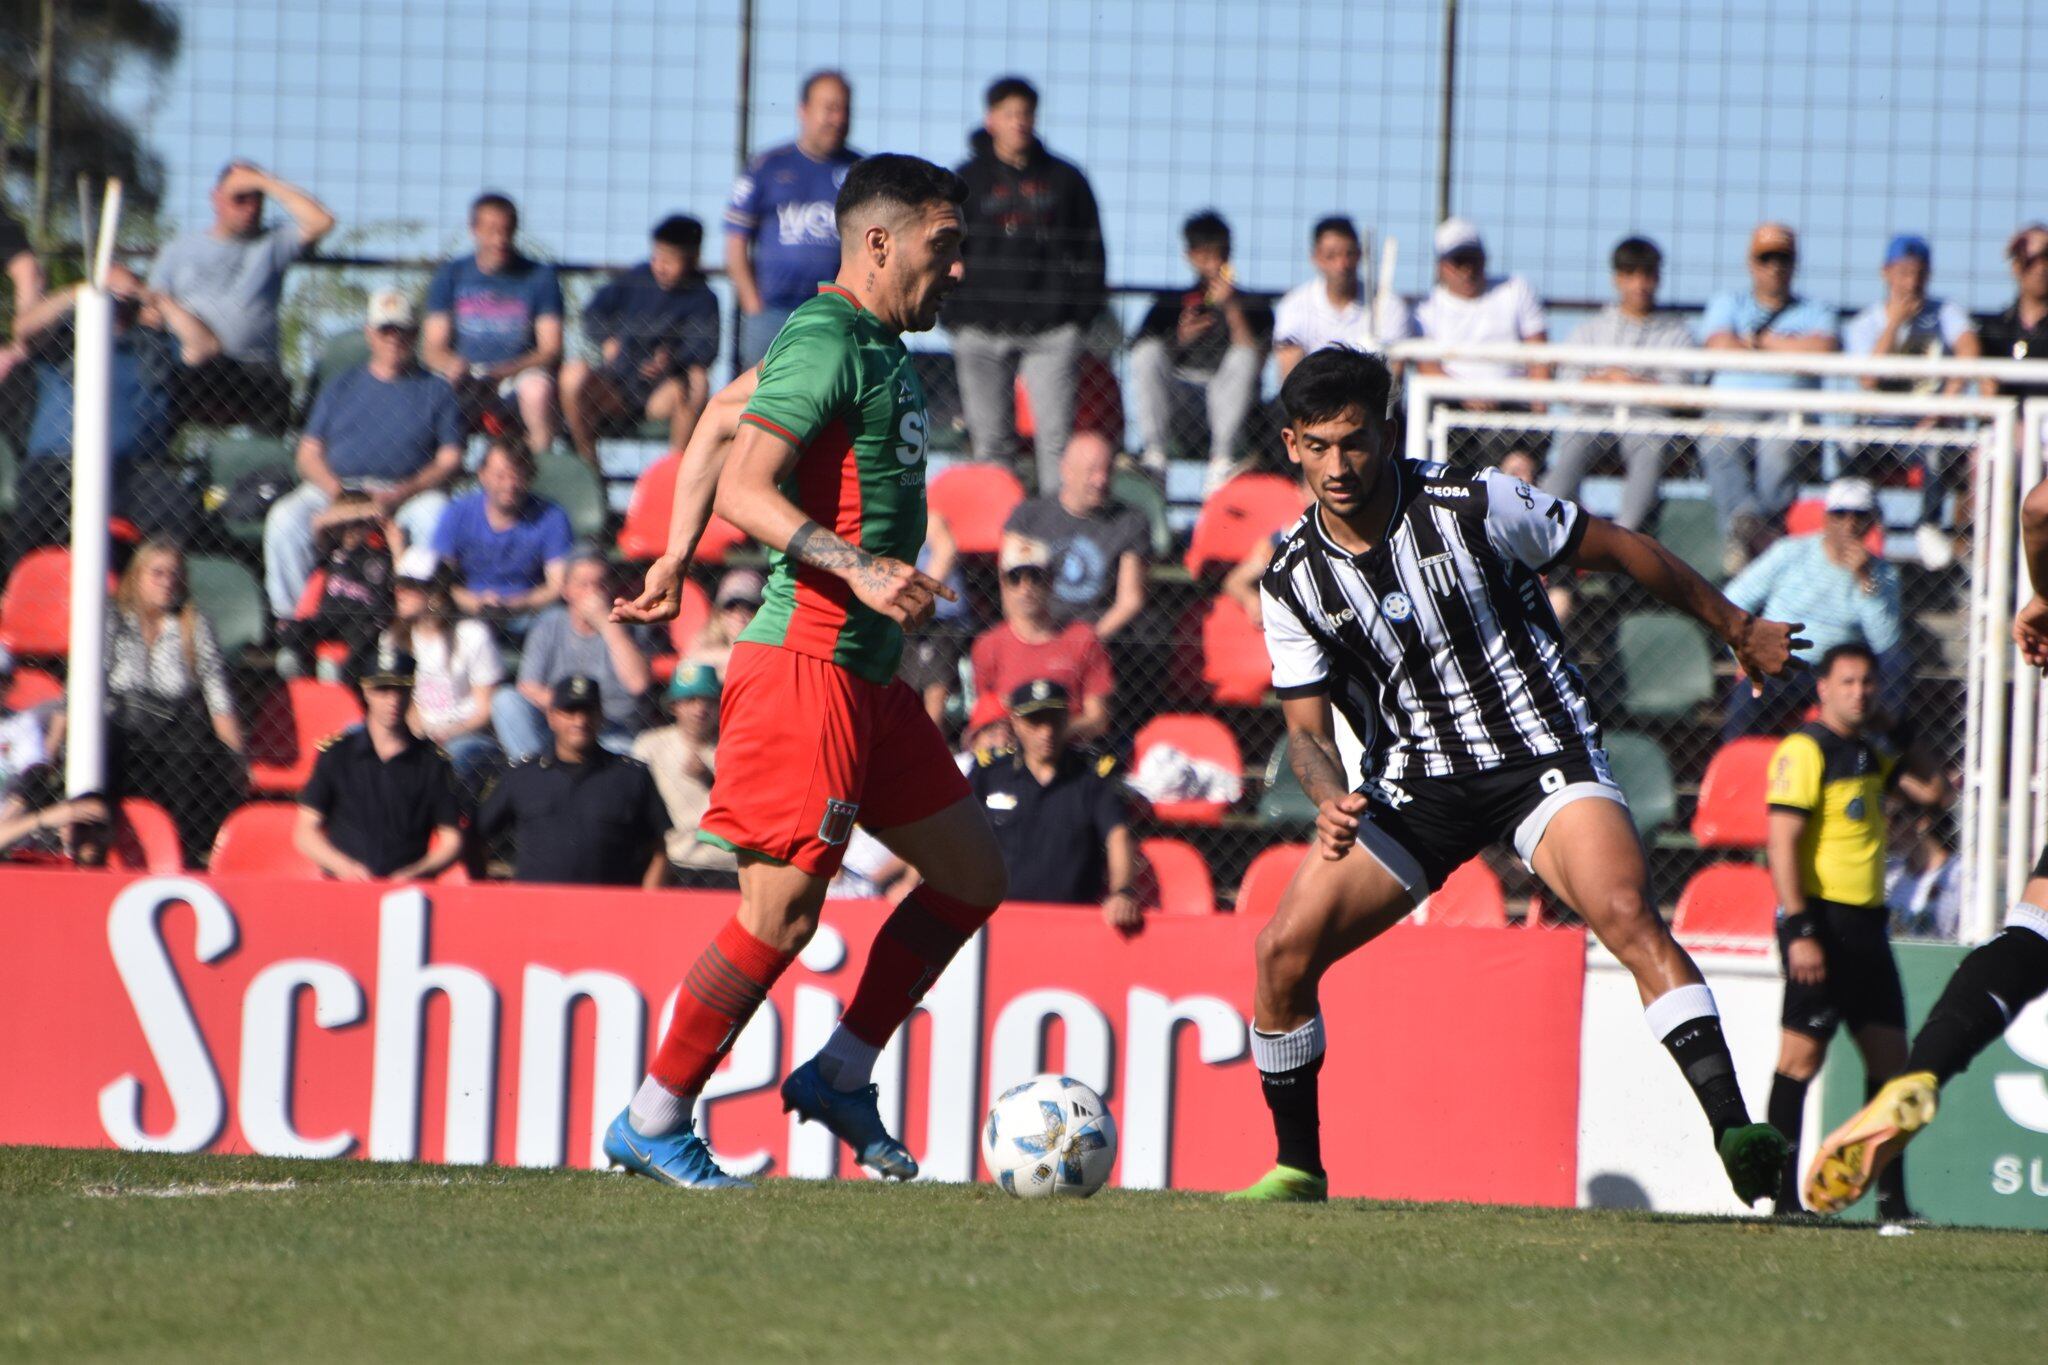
(854, 1117)
(681, 1159)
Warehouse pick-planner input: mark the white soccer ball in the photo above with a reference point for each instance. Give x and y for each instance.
(1050, 1136)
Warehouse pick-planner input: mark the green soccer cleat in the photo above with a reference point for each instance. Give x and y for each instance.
(1754, 1156)
(1284, 1185)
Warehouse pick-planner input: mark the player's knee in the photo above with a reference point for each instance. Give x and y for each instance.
(574, 375)
(1629, 926)
(1285, 954)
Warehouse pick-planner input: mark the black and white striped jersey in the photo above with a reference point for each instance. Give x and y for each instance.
(1438, 646)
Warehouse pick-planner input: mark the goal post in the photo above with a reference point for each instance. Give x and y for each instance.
(85, 713)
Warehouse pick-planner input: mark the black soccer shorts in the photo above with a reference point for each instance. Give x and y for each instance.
(1423, 829)
(1862, 982)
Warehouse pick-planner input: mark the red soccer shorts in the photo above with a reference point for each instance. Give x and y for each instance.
(805, 748)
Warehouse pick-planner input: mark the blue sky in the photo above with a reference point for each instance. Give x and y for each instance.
(1577, 121)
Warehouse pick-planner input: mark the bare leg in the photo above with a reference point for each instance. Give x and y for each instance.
(582, 394)
(536, 393)
(1330, 910)
(1591, 858)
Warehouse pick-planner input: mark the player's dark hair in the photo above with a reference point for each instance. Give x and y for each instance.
(1338, 223)
(829, 73)
(1637, 256)
(1332, 381)
(909, 182)
(1206, 228)
(680, 231)
(1848, 649)
(495, 199)
(1010, 88)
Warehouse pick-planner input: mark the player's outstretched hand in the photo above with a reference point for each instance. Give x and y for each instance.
(660, 598)
(902, 592)
(2030, 632)
(1337, 824)
(1764, 649)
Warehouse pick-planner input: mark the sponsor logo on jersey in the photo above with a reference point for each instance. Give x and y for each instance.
(811, 224)
(910, 430)
(1449, 491)
(1395, 606)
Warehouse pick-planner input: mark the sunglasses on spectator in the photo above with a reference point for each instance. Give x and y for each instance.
(1026, 574)
(246, 197)
(1774, 258)
(2029, 262)
(1466, 260)
(393, 329)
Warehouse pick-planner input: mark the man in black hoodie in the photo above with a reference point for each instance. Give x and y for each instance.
(1034, 282)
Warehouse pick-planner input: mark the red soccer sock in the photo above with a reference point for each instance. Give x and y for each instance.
(916, 943)
(720, 994)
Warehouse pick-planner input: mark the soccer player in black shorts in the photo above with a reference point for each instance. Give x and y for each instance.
(1994, 983)
(1826, 849)
(1410, 601)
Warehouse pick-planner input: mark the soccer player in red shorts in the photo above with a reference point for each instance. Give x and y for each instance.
(826, 466)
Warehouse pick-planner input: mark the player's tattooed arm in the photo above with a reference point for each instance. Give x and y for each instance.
(822, 549)
(1316, 763)
(897, 590)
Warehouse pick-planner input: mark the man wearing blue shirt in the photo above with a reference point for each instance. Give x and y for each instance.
(494, 323)
(509, 548)
(388, 428)
(657, 329)
(781, 236)
(1767, 316)
(1909, 323)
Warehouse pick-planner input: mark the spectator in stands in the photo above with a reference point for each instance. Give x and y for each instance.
(656, 327)
(1837, 588)
(1331, 307)
(387, 428)
(1097, 546)
(494, 324)
(382, 802)
(1910, 323)
(869, 871)
(781, 234)
(732, 611)
(2021, 331)
(1767, 316)
(1195, 366)
(1522, 464)
(231, 277)
(18, 260)
(173, 735)
(1045, 795)
(508, 546)
(683, 756)
(348, 597)
(1468, 307)
(1631, 322)
(456, 666)
(51, 828)
(1034, 282)
(1028, 644)
(153, 336)
(580, 815)
(26, 283)
(1923, 885)
(28, 737)
(576, 638)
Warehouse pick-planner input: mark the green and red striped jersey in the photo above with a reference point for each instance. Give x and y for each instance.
(838, 385)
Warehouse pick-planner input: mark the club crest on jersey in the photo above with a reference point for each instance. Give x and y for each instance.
(838, 822)
(1395, 606)
(1438, 572)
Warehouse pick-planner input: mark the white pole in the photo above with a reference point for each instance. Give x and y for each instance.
(85, 760)
(2020, 834)
(1998, 654)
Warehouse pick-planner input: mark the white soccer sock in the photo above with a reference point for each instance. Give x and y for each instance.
(2026, 916)
(658, 1111)
(1277, 1052)
(846, 1062)
(1669, 1011)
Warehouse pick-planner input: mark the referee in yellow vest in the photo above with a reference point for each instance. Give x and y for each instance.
(1828, 782)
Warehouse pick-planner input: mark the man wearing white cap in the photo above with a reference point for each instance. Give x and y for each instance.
(1467, 307)
(1836, 586)
(388, 428)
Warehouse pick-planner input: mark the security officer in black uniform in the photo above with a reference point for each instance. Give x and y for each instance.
(381, 802)
(580, 814)
(1058, 813)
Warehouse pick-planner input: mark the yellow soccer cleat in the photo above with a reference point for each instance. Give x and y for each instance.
(1283, 1185)
(1851, 1157)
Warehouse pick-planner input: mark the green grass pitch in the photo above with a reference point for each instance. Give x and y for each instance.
(113, 1255)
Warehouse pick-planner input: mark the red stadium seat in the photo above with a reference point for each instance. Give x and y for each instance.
(1180, 877)
(1731, 810)
(145, 839)
(1808, 515)
(1239, 515)
(1199, 737)
(289, 726)
(1227, 652)
(644, 536)
(1267, 876)
(976, 499)
(32, 687)
(257, 840)
(35, 607)
(1470, 898)
(685, 628)
(1727, 900)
